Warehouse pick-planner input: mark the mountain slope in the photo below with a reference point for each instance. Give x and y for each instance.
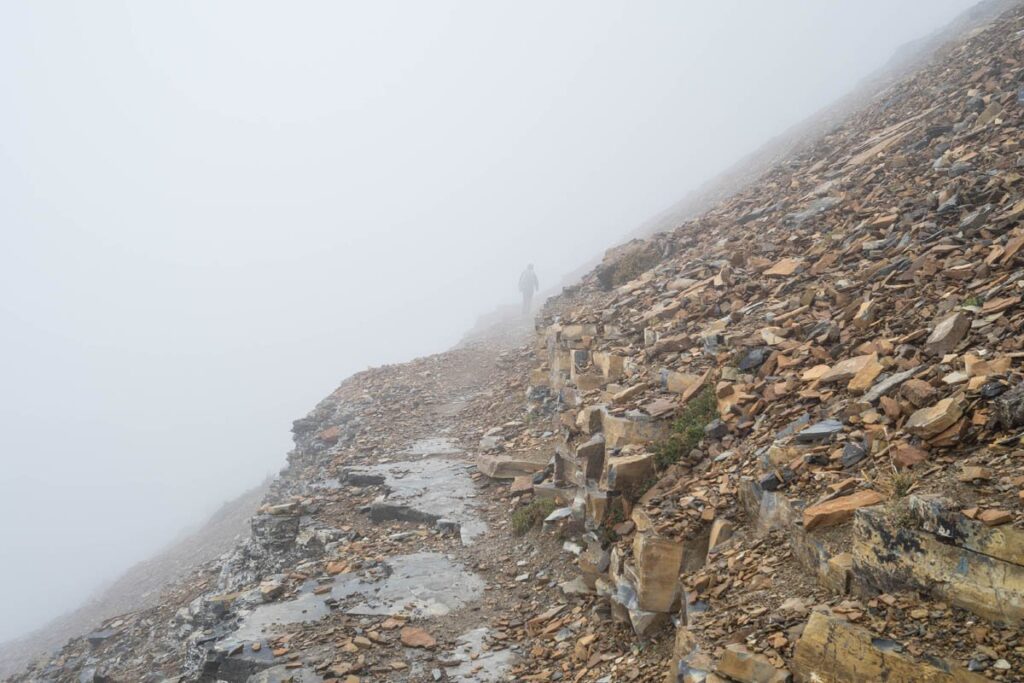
(141, 586)
(808, 398)
(780, 441)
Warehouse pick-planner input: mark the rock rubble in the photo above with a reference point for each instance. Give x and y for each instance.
(780, 442)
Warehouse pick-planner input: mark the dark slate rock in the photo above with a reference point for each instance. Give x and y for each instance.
(772, 482)
(853, 453)
(820, 432)
(754, 358)
(716, 429)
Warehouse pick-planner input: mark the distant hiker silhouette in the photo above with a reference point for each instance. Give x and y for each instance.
(527, 286)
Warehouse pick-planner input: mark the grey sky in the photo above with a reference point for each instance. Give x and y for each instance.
(212, 212)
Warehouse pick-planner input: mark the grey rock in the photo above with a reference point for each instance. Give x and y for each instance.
(853, 453)
(754, 358)
(820, 431)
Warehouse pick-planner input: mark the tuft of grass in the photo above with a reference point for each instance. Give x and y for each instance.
(900, 515)
(688, 429)
(530, 516)
(902, 483)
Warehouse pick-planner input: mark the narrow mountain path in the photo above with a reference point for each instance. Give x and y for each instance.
(382, 553)
(421, 577)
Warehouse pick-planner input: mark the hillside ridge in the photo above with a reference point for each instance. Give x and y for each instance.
(779, 442)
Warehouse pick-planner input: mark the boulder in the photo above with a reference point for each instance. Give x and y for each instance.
(623, 431)
(590, 456)
(658, 563)
(934, 549)
(627, 472)
(845, 370)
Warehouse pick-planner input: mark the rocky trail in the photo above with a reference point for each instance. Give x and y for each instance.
(781, 442)
(381, 553)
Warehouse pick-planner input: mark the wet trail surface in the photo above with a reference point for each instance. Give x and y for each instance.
(428, 568)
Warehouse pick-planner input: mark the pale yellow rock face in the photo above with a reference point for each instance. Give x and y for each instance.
(576, 332)
(658, 563)
(739, 664)
(621, 431)
(627, 472)
(963, 562)
(785, 268)
(865, 377)
(832, 650)
(815, 373)
(612, 366)
(680, 382)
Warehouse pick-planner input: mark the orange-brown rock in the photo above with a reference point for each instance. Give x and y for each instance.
(839, 510)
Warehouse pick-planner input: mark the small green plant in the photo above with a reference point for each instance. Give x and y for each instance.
(687, 430)
(900, 514)
(902, 483)
(616, 516)
(972, 301)
(530, 516)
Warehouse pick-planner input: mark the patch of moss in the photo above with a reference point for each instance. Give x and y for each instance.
(530, 516)
(688, 429)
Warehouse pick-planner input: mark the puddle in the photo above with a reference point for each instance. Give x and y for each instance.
(283, 674)
(262, 620)
(488, 665)
(419, 585)
(426, 491)
(326, 485)
(433, 446)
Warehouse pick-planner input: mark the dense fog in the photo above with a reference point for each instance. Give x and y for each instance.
(212, 212)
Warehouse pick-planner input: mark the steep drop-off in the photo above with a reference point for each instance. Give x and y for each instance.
(780, 441)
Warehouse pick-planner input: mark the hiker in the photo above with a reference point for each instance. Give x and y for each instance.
(528, 285)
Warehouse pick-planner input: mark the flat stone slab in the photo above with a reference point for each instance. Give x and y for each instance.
(839, 510)
(435, 445)
(820, 431)
(478, 664)
(424, 491)
(497, 466)
(418, 585)
(284, 674)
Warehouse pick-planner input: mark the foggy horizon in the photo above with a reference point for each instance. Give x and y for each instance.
(215, 213)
